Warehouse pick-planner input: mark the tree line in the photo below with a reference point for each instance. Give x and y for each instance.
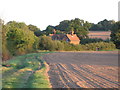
(79, 26)
(19, 38)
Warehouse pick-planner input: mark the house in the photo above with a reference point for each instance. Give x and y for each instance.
(71, 38)
(99, 34)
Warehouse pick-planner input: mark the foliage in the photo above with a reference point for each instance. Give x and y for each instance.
(19, 25)
(90, 40)
(20, 74)
(115, 34)
(104, 25)
(49, 30)
(80, 27)
(46, 43)
(39, 33)
(33, 28)
(63, 26)
(20, 39)
(5, 53)
(100, 46)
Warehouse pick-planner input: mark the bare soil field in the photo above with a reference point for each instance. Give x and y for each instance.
(83, 69)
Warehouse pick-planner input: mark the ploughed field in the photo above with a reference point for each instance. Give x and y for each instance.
(97, 69)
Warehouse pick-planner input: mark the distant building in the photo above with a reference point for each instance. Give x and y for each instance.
(71, 38)
(99, 34)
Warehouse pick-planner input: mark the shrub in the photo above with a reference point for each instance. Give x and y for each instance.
(46, 43)
(89, 40)
(5, 53)
(20, 41)
(100, 46)
(60, 45)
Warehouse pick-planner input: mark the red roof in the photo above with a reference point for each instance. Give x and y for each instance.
(73, 37)
(51, 35)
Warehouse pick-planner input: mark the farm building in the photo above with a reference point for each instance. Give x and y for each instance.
(99, 34)
(71, 38)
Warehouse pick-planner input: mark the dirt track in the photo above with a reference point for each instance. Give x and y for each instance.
(83, 69)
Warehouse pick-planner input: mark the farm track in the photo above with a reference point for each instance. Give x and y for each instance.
(74, 70)
(18, 78)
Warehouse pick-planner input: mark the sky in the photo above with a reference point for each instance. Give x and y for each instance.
(42, 13)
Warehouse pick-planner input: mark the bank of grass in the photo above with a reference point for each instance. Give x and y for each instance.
(26, 71)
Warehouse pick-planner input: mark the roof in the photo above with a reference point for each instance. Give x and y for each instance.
(73, 37)
(57, 36)
(51, 35)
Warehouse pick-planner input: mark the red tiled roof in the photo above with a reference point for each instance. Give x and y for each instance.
(51, 35)
(73, 37)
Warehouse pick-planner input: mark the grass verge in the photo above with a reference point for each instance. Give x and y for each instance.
(26, 71)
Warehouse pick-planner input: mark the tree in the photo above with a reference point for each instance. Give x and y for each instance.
(80, 27)
(104, 25)
(39, 33)
(115, 34)
(5, 53)
(63, 26)
(33, 28)
(46, 43)
(20, 39)
(49, 30)
(19, 25)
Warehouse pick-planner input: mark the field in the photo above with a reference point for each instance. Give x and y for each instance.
(85, 69)
(27, 71)
(97, 69)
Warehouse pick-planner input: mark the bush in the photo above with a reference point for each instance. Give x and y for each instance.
(20, 40)
(115, 34)
(100, 46)
(46, 43)
(89, 40)
(5, 53)
(60, 45)
(68, 46)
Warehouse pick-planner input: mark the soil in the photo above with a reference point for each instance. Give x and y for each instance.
(98, 69)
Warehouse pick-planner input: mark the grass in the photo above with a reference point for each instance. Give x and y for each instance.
(26, 71)
(38, 79)
(110, 50)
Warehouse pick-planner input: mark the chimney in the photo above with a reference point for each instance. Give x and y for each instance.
(72, 32)
(54, 31)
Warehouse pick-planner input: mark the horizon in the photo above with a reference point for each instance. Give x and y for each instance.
(44, 13)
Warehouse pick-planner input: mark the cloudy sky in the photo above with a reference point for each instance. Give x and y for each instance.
(50, 12)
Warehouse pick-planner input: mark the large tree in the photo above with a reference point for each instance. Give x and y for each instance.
(80, 27)
(63, 26)
(104, 25)
(20, 39)
(49, 30)
(115, 34)
(33, 28)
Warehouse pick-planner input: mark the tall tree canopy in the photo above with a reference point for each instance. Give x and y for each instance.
(104, 25)
(80, 27)
(115, 34)
(33, 28)
(49, 30)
